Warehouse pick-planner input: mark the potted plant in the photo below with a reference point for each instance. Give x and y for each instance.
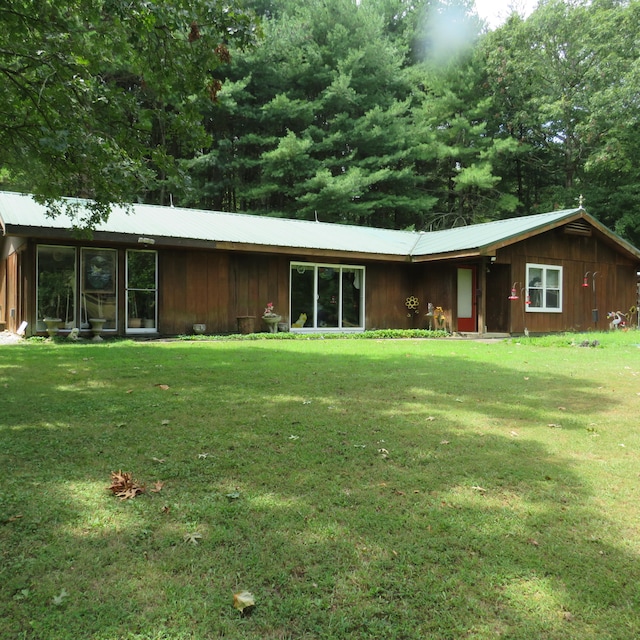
(271, 318)
(97, 324)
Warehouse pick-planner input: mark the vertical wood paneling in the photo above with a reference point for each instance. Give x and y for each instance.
(3, 291)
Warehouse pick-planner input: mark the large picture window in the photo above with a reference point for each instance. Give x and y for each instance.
(326, 297)
(544, 288)
(98, 287)
(56, 287)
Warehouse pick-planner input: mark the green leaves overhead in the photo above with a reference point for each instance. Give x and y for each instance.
(100, 97)
(358, 112)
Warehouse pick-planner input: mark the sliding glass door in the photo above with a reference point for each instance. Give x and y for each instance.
(326, 297)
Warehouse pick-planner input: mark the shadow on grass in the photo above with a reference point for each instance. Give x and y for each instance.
(356, 496)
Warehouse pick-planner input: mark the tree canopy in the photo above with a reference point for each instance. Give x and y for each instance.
(383, 112)
(100, 96)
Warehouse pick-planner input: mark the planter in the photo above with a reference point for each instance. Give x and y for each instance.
(199, 329)
(246, 324)
(135, 323)
(53, 325)
(272, 323)
(97, 324)
(149, 323)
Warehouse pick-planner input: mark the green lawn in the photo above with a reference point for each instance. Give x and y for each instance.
(408, 489)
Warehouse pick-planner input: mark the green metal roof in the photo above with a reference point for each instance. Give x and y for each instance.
(21, 215)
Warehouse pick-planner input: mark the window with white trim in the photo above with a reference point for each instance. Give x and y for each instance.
(544, 288)
(326, 297)
(142, 290)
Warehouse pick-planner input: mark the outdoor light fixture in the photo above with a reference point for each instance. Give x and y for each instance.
(514, 291)
(146, 241)
(585, 279)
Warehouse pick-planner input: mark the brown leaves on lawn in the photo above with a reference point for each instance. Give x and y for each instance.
(124, 486)
(157, 487)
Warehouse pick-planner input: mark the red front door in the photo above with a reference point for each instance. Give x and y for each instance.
(467, 317)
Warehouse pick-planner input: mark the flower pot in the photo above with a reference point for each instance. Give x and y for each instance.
(199, 329)
(97, 324)
(246, 324)
(53, 324)
(135, 323)
(272, 323)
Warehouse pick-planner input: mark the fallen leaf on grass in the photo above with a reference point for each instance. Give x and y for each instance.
(192, 537)
(480, 489)
(164, 423)
(515, 434)
(124, 486)
(234, 495)
(57, 600)
(562, 408)
(14, 518)
(202, 456)
(157, 487)
(430, 418)
(160, 460)
(533, 542)
(445, 442)
(243, 599)
(164, 387)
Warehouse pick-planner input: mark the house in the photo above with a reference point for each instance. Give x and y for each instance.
(159, 270)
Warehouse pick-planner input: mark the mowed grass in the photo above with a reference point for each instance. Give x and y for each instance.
(358, 488)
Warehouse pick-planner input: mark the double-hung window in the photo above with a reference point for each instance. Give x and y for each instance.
(544, 288)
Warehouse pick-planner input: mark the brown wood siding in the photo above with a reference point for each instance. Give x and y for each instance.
(11, 293)
(3, 292)
(216, 287)
(387, 288)
(577, 255)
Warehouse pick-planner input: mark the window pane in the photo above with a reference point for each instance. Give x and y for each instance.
(302, 286)
(535, 277)
(141, 269)
(534, 289)
(351, 293)
(56, 285)
(553, 278)
(99, 286)
(553, 299)
(328, 295)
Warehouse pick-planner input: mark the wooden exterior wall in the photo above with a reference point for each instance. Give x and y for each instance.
(216, 287)
(10, 300)
(615, 281)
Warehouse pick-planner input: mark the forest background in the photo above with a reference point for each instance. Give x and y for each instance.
(392, 113)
